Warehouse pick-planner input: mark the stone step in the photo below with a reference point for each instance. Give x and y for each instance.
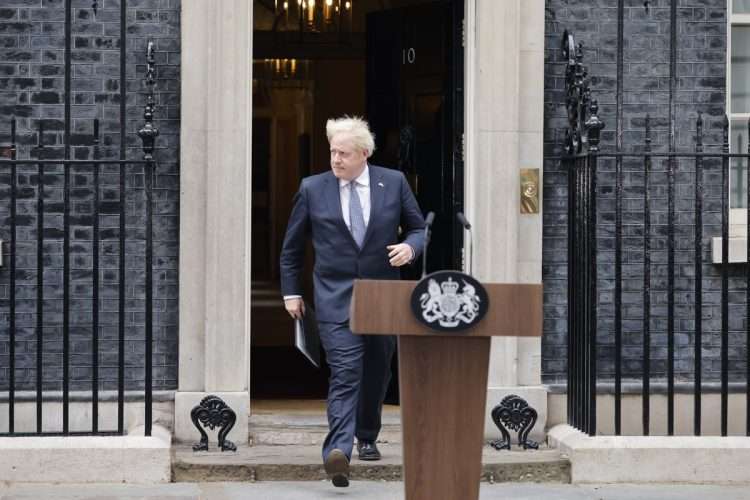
(304, 463)
(308, 435)
(309, 427)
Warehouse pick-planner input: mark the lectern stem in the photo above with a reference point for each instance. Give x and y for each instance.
(443, 386)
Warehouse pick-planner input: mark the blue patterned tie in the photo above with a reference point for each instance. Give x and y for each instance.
(356, 217)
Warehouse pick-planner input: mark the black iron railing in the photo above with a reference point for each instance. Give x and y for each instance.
(600, 180)
(51, 172)
(46, 172)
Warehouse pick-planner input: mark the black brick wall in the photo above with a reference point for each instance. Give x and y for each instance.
(32, 88)
(701, 72)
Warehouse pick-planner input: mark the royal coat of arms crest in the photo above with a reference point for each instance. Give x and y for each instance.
(445, 304)
(449, 301)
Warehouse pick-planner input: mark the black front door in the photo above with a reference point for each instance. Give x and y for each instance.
(415, 108)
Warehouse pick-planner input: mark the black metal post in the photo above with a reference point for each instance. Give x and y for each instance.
(12, 284)
(121, 308)
(148, 172)
(66, 225)
(66, 300)
(148, 136)
(123, 193)
(581, 293)
(573, 288)
(95, 291)
(40, 280)
(618, 218)
(594, 127)
(578, 408)
(698, 353)
(570, 383)
(583, 325)
(580, 83)
(670, 216)
(725, 279)
(618, 296)
(670, 294)
(646, 394)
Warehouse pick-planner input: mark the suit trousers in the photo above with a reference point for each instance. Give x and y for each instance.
(360, 372)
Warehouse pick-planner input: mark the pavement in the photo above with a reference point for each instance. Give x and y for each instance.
(364, 490)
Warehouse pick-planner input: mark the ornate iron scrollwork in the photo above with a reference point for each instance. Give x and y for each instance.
(149, 132)
(213, 412)
(584, 126)
(514, 413)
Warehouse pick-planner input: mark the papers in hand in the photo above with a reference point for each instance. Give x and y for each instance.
(306, 336)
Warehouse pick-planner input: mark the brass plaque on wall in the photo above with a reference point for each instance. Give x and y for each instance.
(529, 190)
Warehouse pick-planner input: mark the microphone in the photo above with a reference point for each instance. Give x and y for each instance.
(465, 223)
(427, 230)
(429, 219)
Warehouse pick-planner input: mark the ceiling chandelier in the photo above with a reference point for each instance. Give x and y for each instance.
(314, 16)
(281, 69)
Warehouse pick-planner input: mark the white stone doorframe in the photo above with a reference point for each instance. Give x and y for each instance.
(215, 208)
(504, 133)
(504, 72)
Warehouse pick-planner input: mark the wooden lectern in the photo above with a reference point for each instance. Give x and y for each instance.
(443, 380)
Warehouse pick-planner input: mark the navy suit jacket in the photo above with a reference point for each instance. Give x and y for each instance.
(338, 259)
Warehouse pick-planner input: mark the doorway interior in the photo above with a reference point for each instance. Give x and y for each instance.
(398, 63)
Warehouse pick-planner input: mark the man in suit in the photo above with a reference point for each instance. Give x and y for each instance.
(353, 214)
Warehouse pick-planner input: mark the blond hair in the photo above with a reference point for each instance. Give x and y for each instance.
(355, 128)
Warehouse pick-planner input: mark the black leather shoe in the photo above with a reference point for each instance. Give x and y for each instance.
(337, 468)
(367, 450)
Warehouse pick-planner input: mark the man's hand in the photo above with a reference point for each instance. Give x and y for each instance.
(295, 307)
(400, 254)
